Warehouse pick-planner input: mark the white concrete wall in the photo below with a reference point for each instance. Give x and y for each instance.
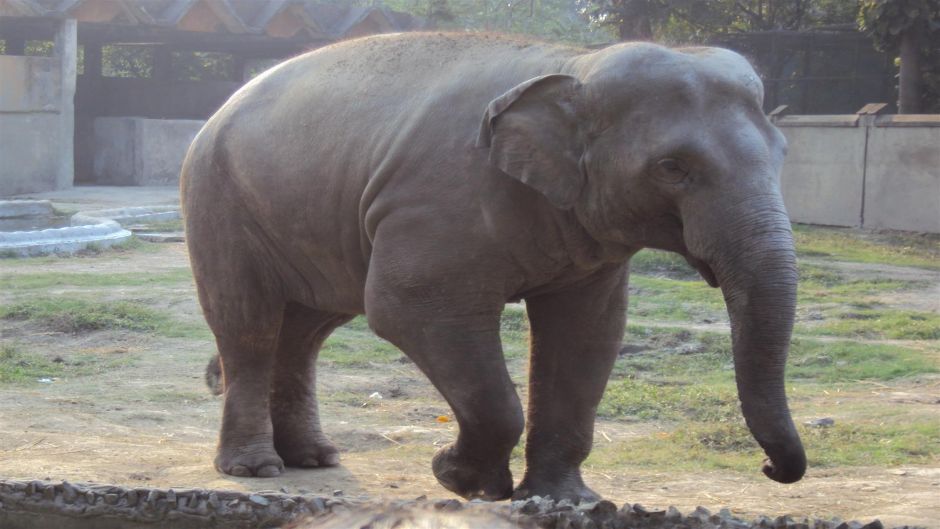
(139, 151)
(861, 171)
(902, 190)
(826, 159)
(37, 117)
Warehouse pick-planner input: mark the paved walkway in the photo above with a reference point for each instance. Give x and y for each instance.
(105, 197)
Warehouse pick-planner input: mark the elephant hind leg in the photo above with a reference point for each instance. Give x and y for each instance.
(298, 437)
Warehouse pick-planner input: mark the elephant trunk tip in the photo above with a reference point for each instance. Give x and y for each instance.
(789, 468)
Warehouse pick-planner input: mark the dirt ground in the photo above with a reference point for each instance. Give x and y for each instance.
(154, 424)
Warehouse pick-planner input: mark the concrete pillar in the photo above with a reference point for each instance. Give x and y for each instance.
(66, 50)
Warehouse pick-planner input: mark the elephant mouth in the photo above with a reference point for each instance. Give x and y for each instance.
(704, 270)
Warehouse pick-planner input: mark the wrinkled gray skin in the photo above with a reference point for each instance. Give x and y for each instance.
(426, 180)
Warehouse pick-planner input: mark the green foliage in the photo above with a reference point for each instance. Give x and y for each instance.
(127, 60)
(888, 21)
(554, 20)
(202, 66)
(702, 20)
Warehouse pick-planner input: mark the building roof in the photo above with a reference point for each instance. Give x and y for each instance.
(295, 19)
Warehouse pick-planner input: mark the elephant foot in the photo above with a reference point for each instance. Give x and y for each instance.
(307, 451)
(471, 479)
(247, 462)
(560, 488)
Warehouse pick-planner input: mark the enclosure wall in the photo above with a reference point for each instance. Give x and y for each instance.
(37, 118)
(143, 152)
(862, 171)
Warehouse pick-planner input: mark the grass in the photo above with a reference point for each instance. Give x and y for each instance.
(896, 248)
(19, 365)
(729, 446)
(77, 315)
(93, 280)
(673, 299)
(881, 323)
(683, 357)
(163, 226)
(820, 284)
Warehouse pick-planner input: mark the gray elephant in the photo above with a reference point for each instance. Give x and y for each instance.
(424, 180)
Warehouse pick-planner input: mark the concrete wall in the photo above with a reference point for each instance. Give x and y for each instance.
(138, 151)
(37, 118)
(98, 97)
(902, 185)
(863, 171)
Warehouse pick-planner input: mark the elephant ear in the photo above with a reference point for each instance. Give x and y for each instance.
(533, 135)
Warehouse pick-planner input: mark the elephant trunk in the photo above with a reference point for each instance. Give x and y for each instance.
(756, 270)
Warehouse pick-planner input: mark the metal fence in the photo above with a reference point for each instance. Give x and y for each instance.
(818, 72)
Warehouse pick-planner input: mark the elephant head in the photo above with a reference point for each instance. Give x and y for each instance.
(650, 147)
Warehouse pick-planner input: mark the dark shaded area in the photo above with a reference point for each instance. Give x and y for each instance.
(817, 72)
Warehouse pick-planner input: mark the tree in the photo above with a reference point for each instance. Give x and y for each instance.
(910, 30)
(685, 21)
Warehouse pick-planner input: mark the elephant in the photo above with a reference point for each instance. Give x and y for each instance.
(427, 179)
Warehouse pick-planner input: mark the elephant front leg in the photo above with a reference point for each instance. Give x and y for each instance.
(453, 337)
(576, 335)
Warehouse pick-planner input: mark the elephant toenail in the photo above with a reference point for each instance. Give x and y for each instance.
(240, 471)
(269, 471)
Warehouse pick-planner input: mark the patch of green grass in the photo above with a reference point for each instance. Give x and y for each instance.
(879, 324)
(851, 361)
(163, 226)
(76, 315)
(661, 263)
(355, 345)
(84, 279)
(819, 284)
(729, 446)
(79, 315)
(671, 299)
(854, 245)
(642, 400)
(18, 365)
(685, 357)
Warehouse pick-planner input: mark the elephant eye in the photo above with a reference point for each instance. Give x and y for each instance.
(671, 170)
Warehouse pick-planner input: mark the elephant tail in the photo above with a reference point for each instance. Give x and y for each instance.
(214, 375)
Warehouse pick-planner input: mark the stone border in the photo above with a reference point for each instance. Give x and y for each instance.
(38, 504)
(100, 227)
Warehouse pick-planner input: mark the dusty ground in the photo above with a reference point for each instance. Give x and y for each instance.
(153, 423)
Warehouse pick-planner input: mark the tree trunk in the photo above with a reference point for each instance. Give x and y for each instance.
(909, 86)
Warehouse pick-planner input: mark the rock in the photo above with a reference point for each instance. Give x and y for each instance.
(824, 422)
(337, 492)
(448, 505)
(530, 507)
(874, 525)
(261, 500)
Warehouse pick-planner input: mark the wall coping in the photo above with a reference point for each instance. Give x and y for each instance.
(908, 120)
(835, 120)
